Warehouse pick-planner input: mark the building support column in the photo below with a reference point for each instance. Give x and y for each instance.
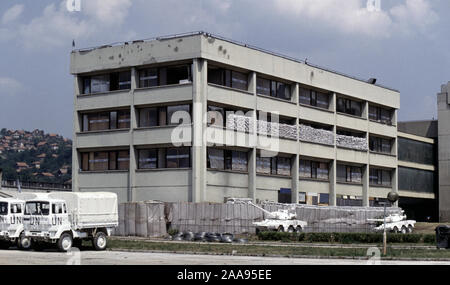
(333, 165)
(76, 128)
(131, 195)
(253, 141)
(366, 169)
(295, 165)
(199, 111)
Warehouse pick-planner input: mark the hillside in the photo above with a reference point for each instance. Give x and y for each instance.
(35, 156)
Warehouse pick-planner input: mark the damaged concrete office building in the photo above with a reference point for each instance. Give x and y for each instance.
(277, 129)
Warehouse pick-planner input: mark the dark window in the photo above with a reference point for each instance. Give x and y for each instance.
(180, 117)
(346, 173)
(324, 198)
(105, 160)
(381, 115)
(106, 121)
(380, 145)
(285, 196)
(273, 165)
(228, 78)
(314, 98)
(178, 157)
(416, 180)
(349, 107)
(167, 75)
(3, 208)
(314, 169)
(380, 177)
(216, 159)
(273, 88)
(148, 159)
(415, 151)
(120, 80)
(148, 117)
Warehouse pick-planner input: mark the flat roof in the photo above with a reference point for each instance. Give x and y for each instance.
(174, 36)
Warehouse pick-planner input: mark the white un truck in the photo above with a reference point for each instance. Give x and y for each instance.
(11, 223)
(68, 218)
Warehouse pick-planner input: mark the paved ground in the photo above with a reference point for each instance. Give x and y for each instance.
(12, 256)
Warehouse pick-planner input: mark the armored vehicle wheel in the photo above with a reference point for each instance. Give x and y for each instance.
(410, 229)
(24, 242)
(99, 241)
(298, 229)
(291, 229)
(404, 230)
(280, 229)
(395, 230)
(65, 242)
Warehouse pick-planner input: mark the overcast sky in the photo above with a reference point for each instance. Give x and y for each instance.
(405, 45)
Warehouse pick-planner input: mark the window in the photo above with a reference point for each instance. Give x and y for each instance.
(227, 160)
(415, 151)
(106, 121)
(380, 114)
(416, 180)
(216, 159)
(178, 157)
(324, 199)
(228, 78)
(107, 82)
(314, 169)
(105, 160)
(3, 208)
(37, 208)
(380, 177)
(273, 88)
(167, 75)
(380, 145)
(161, 116)
(148, 159)
(314, 98)
(273, 165)
(346, 173)
(349, 107)
(57, 208)
(16, 208)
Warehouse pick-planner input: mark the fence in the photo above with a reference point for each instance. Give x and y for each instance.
(152, 219)
(37, 185)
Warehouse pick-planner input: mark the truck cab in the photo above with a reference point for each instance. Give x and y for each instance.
(43, 219)
(11, 221)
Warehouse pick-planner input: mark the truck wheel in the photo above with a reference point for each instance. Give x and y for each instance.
(404, 230)
(280, 229)
(291, 229)
(99, 241)
(24, 242)
(65, 242)
(298, 229)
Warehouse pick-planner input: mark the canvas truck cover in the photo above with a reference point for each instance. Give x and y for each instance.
(90, 209)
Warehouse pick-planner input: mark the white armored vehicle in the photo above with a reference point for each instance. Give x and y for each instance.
(11, 223)
(281, 220)
(68, 218)
(395, 223)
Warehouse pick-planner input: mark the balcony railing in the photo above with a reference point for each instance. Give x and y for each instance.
(37, 185)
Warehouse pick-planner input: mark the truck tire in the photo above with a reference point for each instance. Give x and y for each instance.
(280, 229)
(99, 241)
(298, 229)
(24, 242)
(65, 242)
(291, 229)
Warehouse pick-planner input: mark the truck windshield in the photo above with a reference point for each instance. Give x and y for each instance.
(3, 208)
(37, 208)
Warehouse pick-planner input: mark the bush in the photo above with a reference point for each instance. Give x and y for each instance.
(345, 238)
(172, 232)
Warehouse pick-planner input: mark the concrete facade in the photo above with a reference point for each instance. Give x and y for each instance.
(198, 182)
(443, 103)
